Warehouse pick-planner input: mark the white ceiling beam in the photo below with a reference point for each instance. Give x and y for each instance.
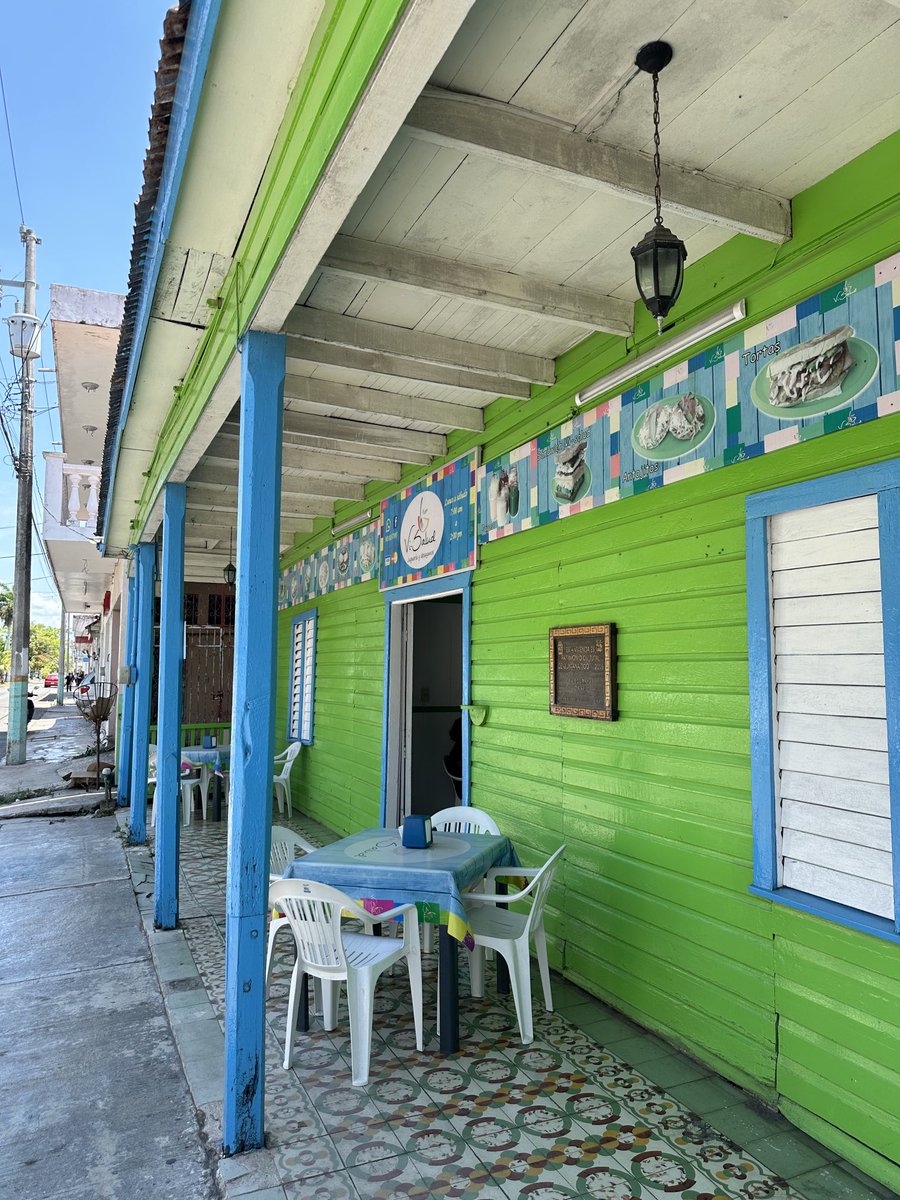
(307, 350)
(485, 285)
(477, 126)
(292, 484)
(432, 348)
(222, 498)
(207, 502)
(305, 394)
(223, 450)
(372, 441)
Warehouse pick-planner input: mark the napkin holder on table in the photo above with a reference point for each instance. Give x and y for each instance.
(416, 832)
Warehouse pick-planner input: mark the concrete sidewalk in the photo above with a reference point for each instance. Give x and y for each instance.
(57, 740)
(93, 1100)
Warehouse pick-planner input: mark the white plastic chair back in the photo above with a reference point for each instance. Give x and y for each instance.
(314, 912)
(464, 819)
(540, 890)
(287, 756)
(285, 844)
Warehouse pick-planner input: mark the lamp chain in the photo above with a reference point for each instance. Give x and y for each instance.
(656, 167)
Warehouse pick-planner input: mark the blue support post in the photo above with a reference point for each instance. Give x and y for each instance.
(126, 729)
(145, 562)
(252, 737)
(168, 721)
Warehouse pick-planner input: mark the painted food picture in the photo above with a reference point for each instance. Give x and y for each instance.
(572, 476)
(324, 576)
(366, 556)
(673, 427)
(821, 374)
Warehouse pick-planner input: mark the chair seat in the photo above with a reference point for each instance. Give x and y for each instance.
(364, 949)
(488, 921)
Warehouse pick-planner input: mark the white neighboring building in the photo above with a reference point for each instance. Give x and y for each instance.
(85, 326)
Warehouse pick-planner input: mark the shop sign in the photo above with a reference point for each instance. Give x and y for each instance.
(428, 529)
(824, 364)
(351, 559)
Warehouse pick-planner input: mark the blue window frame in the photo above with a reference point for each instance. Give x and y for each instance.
(882, 481)
(302, 689)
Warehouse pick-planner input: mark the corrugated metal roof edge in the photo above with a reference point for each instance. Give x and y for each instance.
(184, 55)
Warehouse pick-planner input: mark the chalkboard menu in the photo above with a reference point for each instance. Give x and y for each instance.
(583, 671)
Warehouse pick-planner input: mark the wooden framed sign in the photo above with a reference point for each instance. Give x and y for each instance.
(583, 671)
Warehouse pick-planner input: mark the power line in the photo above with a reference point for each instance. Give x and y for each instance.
(12, 153)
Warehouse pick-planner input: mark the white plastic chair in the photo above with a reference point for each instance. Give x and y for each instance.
(461, 818)
(327, 952)
(282, 781)
(509, 933)
(285, 844)
(189, 781)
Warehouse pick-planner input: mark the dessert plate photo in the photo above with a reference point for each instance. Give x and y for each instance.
(673, 427)
(818, 376)
(581, 490)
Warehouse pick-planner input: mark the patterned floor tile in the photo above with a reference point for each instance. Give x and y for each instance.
(563, 1118)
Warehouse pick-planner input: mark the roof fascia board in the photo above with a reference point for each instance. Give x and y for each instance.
(198, 40)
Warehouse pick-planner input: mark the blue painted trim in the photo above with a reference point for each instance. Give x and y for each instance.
(145, 564)
(311, 614)
(827, 489)
(446, 585)
(828, 910)
(889, 549)
(762, 757)
(252, 737)
(168, 755)
(883, 481)
(126, 729)
(198, 40)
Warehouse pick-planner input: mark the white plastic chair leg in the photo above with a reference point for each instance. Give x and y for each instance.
(414, 963)
(279, 797)
(540, 946)
(425, 935)
(206, 778)
(520, 977)
(360, 1000)
(276, 924)
(298, 982)
(329, 998)
(476, 971)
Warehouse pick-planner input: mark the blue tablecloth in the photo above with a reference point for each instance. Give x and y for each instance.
(375, 868)
(217, 757)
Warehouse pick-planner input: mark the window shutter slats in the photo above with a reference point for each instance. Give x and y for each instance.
(832, 794)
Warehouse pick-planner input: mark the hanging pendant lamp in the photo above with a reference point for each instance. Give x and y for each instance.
(659, 255)
(230, 572)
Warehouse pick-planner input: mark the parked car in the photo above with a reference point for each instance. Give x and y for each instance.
(51, 680)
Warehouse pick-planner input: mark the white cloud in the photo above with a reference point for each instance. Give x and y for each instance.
(45, 609)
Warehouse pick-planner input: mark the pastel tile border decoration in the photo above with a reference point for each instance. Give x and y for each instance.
(827, 363)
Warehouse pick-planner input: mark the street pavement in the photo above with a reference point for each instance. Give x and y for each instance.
(44, 698)
(93, 1100)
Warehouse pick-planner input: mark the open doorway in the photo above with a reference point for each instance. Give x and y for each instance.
(426, 739)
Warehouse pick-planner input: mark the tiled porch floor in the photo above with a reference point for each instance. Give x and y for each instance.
(595, 1107)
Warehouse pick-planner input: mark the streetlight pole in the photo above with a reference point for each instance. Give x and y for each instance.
(24, 333)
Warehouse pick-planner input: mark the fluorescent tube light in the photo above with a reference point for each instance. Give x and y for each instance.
(682, 341)
(346, 526)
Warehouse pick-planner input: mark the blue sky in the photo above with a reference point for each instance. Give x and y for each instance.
(79, 103)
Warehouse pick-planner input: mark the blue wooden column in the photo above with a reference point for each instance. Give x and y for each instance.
(126, 728)
(252, 737)
(168, 720)
(145, 565)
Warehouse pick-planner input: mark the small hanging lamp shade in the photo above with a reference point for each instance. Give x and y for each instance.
(230, 572)
(659, 255)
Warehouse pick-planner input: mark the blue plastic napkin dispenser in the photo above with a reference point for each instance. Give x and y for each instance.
(417, 832)
(207, 741)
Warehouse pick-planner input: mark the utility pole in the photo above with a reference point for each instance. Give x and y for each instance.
(24, 331)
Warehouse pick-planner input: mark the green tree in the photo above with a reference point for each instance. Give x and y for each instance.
(43, 649)
(6, 607)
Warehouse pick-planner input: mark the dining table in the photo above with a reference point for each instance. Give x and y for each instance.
(212, 761)
(376, 869)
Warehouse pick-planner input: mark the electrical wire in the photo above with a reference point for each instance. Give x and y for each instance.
(12, 153)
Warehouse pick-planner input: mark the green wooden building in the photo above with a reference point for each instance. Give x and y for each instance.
(432, 204)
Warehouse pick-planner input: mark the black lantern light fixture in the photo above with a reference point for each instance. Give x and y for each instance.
(659, 255)
(230, 572)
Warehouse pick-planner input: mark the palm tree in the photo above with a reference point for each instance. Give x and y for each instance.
(6, 605)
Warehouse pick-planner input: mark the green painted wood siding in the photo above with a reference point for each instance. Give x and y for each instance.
(337, 780)
(651, 911)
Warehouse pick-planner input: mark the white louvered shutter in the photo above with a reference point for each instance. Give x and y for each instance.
(832, 793)
(296, 679)
(309, 642)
